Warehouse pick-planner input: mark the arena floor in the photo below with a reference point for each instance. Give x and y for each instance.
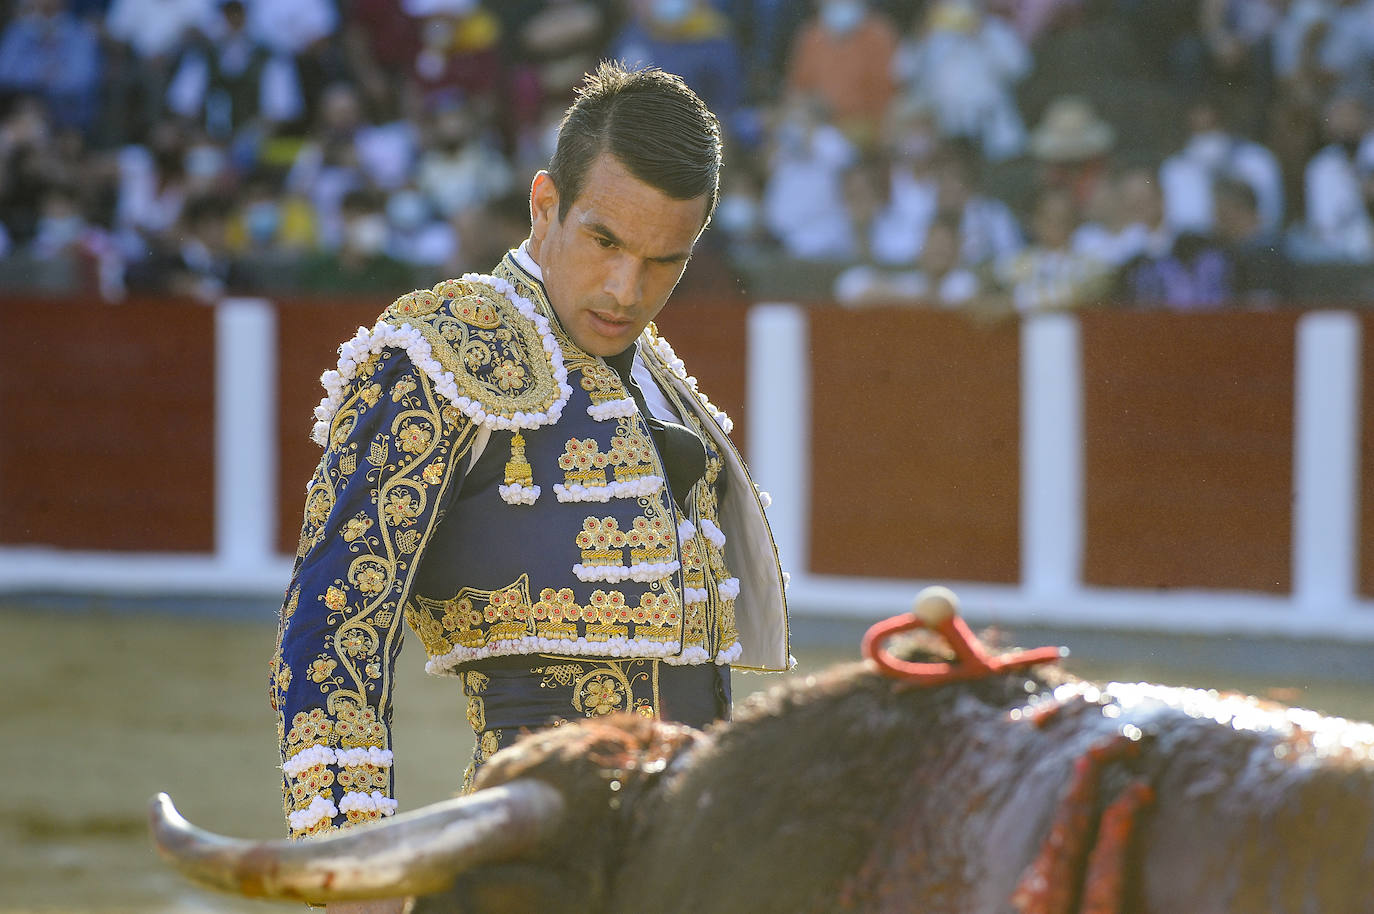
(107, 708)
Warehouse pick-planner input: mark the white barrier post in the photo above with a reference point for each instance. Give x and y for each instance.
(245, 433)
(1051, 457)
(1326, 469)
(779, 404)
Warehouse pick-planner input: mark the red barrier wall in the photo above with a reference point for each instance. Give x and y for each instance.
(1188, 449)
(108, 426)
(915, 449)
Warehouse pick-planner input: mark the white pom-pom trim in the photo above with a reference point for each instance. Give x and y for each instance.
(679, 368)
(306, 759)
(688, 657)
(613, 409)
(322, 755)
(685, 531)
(713, 533)
(368, 802)
(730, 654)
(320, 808)
(368, 755)
(633, 488)
(644, 572)
(384, 336)
(765, 499)
(728, 588)
(518, 494)
(694, 595)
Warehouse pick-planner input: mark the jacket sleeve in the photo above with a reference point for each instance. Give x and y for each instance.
(393, 455)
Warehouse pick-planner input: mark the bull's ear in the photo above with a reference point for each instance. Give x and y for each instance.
(515, 888)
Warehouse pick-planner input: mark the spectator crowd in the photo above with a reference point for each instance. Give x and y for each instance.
(949, 153)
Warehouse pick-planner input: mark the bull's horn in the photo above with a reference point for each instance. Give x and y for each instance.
(415, 853)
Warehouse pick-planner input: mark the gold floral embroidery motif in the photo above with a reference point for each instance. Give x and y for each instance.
(632, 453)
(650, 540)
(602, 384)
(583, 463)
(602, 542)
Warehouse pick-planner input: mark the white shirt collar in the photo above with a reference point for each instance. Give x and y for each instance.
(522, 257)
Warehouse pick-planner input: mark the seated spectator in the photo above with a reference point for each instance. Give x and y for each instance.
(196, 262)
(1262, 270)
(1071, 145)
(152, 189)
(844, 57)
(738, 219)
(965, 64)
(1127, 220)
(987, 228)
(912, 145)
(219, 80)
(1212, 154)
(1049, 275)
(416, 235)
(1195, 275)
(1339, 226)
(692, 39)
(62, 224)
(269, 222)
(803, 201)
(360, 265)
(461, 165)
(47, 51)
(937, 280)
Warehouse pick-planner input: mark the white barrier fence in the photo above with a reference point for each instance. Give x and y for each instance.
(1324, 602)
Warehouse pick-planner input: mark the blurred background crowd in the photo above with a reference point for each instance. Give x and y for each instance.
(993, 155)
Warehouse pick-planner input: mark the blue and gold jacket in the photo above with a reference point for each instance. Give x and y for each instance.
(575, 549)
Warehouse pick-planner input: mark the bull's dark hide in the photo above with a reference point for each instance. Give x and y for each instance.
(847, 792)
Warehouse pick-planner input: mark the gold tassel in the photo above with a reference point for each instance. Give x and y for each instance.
(518, 468)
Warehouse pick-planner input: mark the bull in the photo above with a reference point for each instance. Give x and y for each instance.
(969, 784)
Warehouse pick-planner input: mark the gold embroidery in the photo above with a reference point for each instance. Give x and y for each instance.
(632, 453)
(583, 463)
(415, 304)
(601, 383)
(494, 353)
(601, 541)
(650, 540)
(518, 467)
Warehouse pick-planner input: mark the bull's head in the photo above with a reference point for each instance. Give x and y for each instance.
(545, 823)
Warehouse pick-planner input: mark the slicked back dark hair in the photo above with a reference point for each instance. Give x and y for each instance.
(651, 122)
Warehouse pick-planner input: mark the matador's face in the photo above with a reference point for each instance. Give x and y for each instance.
(611, 263)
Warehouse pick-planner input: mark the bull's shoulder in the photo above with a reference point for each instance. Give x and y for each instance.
(486, 349)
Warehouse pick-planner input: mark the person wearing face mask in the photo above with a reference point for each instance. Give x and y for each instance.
(361, 262)
(844, 57)
(519, 467)
(414, 235)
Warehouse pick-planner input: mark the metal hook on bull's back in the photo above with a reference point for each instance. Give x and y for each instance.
(937, 609)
